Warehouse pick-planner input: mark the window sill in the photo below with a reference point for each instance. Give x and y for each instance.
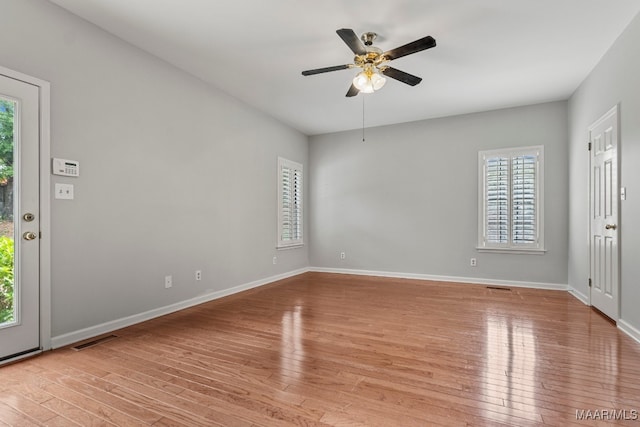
(515, 251)
(285, 247)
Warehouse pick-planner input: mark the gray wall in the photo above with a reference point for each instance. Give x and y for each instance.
(406, 200)
(176, 175)
(613, 81)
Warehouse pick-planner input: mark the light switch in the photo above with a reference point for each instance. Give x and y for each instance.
(623, 193)
(64, 191)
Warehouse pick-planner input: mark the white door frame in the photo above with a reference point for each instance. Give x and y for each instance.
(45, 202)
(615, 110)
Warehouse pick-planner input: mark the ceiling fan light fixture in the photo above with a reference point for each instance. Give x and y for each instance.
(378, 81)
(363, 82)
(368, 81)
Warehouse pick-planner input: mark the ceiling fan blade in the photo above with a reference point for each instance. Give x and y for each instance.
(352, 40)
(353, 91)
(401, 76)
(409, 48)
(326, 69)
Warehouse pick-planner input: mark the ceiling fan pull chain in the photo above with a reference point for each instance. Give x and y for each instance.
(362, 117)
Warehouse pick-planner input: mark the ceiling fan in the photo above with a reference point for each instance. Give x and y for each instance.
(373, 62)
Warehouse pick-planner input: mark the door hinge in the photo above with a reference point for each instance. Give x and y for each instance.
(589, 146)
(589, 281)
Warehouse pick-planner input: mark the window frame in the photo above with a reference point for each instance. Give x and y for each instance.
(299, 240)
(538, 246)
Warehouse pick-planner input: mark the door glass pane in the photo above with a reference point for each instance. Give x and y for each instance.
(8, 293)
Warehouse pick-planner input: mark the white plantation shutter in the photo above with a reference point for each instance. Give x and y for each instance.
(290, 189)
(523, 209)
(497, 199)
(510, 208)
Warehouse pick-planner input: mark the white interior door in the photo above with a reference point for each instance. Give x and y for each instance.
(19, 219)
(604, 214)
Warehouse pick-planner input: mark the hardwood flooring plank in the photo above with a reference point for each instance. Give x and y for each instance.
(95, 408)
(75, 415)
(28, 407)
(16, 418)
(101, 392)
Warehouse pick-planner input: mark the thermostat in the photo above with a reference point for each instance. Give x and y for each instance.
(66, 167)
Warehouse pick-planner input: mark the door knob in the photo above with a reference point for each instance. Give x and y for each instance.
(610, 226)
(29, 235)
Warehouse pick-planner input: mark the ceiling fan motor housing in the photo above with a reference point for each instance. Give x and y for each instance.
(368, 38)
(373, 56)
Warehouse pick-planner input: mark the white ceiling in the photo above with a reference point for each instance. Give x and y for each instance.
(490, 54)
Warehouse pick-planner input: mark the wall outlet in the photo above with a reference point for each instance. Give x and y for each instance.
(198, 274)
(473, 262)
(343, 255)
(168, 282)
(275, 260)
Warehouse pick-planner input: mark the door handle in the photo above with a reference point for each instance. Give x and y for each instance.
(610, 226)
(29, 235)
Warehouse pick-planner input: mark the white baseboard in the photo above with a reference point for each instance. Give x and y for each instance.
(93, 331)
(579, 295)
(495, 282)
(629, 330)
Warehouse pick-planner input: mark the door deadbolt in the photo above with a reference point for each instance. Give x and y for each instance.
(28, 217)
(29, 235)
(610, 226)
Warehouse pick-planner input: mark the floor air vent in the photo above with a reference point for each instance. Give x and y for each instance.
(94, 342)
(498, 288)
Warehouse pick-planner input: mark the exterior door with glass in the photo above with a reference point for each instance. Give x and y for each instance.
(19, 219)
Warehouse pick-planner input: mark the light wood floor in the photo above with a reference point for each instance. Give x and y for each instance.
(321, 349)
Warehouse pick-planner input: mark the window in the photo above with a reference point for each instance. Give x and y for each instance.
(289, 203)
(511, 199)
